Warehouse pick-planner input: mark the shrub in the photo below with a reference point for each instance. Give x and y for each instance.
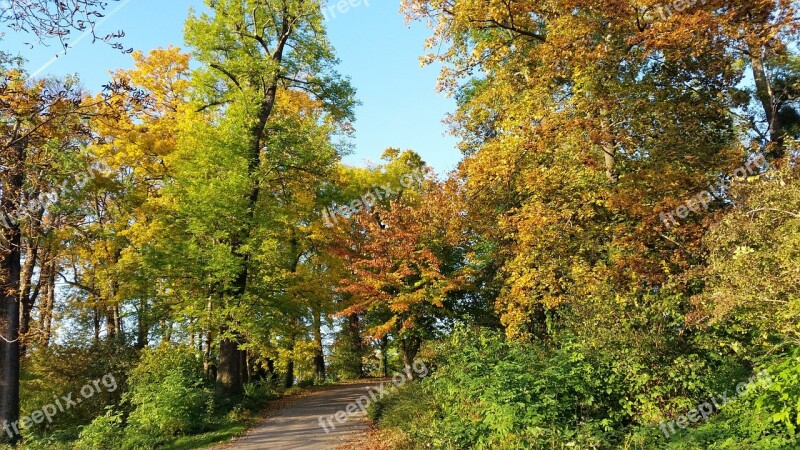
(55, 371)
(487, 392)
(765, 419)
(345, 358)
(168, 395)
(258, 393)
(103, 433)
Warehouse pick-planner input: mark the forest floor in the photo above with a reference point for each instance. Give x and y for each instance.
(297, 424)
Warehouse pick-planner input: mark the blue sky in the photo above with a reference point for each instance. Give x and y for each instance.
(400, 105)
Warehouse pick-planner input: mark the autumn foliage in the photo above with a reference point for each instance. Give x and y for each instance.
(197, 211)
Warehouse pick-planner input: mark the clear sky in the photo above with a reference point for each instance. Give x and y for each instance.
(400, 105)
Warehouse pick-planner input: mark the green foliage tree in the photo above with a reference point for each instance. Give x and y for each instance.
(257, 59)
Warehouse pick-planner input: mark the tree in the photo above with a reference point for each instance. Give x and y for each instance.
(402, 266)
(749, 300)
(576, 139)
(250, 51)
(135, 145)
(759, 35)
(43, 124)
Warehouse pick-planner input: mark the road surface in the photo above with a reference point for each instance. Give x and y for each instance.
(297, 426)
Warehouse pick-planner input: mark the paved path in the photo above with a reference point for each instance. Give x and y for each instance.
(297, 426)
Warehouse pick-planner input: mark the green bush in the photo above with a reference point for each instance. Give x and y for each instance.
(491, 394)
(345, 358)
(168, 395)
(257, 394)
(766, 419)
(105, 432)
(488, 393)
(55, 371)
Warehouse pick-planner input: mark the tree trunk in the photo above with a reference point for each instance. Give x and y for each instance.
(609, 147)
(409, 347)
(111, 329)
(271, 375)
(289, 380)
(9, 297)
(116, 315)
(769, 103)
(319, 366)
(354, 329)
(167, 327)
(229, 372)
(28, 295)
(209, 339)
(96, 322)
(319, 354)
(142, 328)
(9, 331)
(254, 372)
(610, 159)
(385, 356)
(244, 366)
(113, 317)
(48, 300)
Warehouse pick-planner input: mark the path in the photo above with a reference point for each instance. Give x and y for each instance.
(297, 426)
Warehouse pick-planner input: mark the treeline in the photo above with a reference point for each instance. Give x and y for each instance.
(632, 194)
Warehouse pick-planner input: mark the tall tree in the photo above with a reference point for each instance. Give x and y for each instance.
(759, 34)
(43, 123)
(110, 249)
(250, 50)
